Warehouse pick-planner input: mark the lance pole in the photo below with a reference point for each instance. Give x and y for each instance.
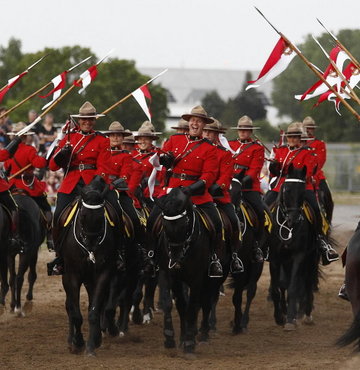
(352, 58)
(313, 69)
(262, 144)
(106, 111)
(351, 92)
(20, 171)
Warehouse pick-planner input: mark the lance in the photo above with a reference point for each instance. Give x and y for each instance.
(129, 95)
(39, 90)
(310, 65)
(351, 92)
(27, 70)
(56, 102)
(20, 171)
(340, 45)
(262, 144)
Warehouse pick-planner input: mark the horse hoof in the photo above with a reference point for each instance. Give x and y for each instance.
(28, 306)
(203, 342)
(19, 312)
(2, 309)
(190, 356)
(147, 319)
(121, 334)
(289, 326)
(90, 353)
(308, 320)
(75, 350)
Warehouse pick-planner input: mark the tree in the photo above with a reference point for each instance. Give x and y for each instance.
(116, 79)
(213, 104)
(298, 78)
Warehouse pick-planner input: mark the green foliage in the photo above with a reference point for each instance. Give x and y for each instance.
(116, 79)
(213, 104)
(298, 78)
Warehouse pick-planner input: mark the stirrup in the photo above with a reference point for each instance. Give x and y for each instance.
(343, 293)
(235, 258)
(215, 262)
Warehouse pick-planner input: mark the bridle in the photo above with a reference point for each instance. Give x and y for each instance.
(285, 212)
(86, 235)
(189, 236)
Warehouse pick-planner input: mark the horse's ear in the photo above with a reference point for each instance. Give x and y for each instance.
(105, 190)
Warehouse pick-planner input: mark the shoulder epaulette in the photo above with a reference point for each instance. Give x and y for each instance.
(207, 141)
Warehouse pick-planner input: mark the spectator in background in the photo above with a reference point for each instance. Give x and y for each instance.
(47, 133)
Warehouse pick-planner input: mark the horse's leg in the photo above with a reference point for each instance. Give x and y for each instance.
(191, 316)
(19, 281)
(210, 294)
(293, 293)
(276, 295)
(137, 317)
(12, 278)
(166, 300)
(72, 284)
(251, 292)
(149, 307)
(32, 275)
(97, 300)
(108, 318)
(237, 302)
(3, 279)
(212, 317)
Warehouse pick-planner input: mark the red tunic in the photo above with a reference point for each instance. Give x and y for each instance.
(201, 162)
(25, 155)
(91, 149)
(320, 150)
(121, 161)
(248, 156)
(299, 157)
(225, 174)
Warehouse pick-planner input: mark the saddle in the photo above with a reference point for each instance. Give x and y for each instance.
(205, 219)
(226, 225)
(309, 212)
(252, 218)
(18, 191)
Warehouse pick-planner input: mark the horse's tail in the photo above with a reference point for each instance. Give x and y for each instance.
(352, 334)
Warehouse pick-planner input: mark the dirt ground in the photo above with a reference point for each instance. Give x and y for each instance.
(38, 340)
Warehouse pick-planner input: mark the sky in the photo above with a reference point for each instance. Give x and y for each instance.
(225, 34)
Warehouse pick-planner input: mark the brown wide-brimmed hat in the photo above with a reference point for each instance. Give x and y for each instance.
(130, 138)
(181, 124)
(294, 129)
(87, 110)
(116, 128)
(147, 129)
(245, 123)
(198, 111)
(309, 122)
(16, 127)
(214, 126)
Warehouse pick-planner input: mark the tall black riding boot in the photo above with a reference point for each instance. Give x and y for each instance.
(257, 255)
(16, 243)
(49, 236)
(236, 265)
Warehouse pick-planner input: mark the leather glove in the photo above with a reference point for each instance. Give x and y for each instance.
(62, 157)
(216, 191)
(246, 183)
(197, 188)
(274, 168)
(120, 184)
(167, 159)
(13, 145)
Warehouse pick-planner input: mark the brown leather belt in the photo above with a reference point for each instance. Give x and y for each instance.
(82, 167)
(240, 167)
(184, 176)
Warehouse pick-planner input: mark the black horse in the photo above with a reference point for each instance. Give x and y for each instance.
(90, 256)
(32, 229)
(4, 241)
(352, 281)
(294, 256)
(184, 259)
(252, 270)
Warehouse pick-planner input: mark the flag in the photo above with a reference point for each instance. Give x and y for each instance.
(224, 142)
(59, 83)
(10, 84)
(338, 56)
(155, 161)
(87, 77)
(277, 62)
(140, 94)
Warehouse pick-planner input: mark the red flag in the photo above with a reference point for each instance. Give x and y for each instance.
(139, 95)
(10, 84)
(59, 83)
(87, 77)
(278, 61)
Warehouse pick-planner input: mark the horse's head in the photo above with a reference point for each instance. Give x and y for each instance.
(178, 223)
(292, 194)
(91, 211)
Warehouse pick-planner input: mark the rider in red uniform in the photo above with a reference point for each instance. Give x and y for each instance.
(220, 190)
(24, 156)
(299, 156)
(85, 157)
(192, 163)
(142, 167)
(248, 161)
(122, 168)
